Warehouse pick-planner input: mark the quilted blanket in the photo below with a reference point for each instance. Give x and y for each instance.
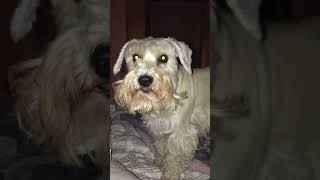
(132, 147)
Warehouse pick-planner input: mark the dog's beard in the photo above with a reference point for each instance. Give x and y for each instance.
(159, 97)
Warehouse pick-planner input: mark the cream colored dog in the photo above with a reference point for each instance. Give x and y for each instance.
(174, 101)
(278, 139)
(61, 97)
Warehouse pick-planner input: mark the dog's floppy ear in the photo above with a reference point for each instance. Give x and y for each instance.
(118, 64)
(247, 12)
(22, 19)
(184, 53)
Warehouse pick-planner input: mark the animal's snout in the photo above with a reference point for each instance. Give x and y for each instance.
(100, 59)
(145, 80)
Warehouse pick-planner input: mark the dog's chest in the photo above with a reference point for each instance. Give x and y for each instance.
(160, 124)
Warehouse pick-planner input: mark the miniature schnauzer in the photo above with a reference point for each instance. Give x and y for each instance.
(174, 101)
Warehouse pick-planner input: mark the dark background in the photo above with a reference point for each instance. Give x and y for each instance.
(138, 18)
(186, 20)
(29, 47)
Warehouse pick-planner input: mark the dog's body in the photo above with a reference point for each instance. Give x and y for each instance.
(177, 132)
(271, 143)
(61, 97)
(175, 107)
(239, 73)
(294, 51)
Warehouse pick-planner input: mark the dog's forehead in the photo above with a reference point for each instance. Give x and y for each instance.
(154, 46)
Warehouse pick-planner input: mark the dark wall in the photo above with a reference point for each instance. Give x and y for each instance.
(34, 44)
(290, 9)
(9, 53)
(185, 20)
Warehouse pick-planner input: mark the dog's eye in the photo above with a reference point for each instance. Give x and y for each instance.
(135, 57)
(163, 58)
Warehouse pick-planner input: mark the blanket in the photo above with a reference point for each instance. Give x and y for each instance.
(133, 148)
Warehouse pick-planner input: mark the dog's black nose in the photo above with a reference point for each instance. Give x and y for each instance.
(145, 80)
(99, 60)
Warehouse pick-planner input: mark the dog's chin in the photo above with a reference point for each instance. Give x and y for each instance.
(147, 100)
(152, 99)
(143, 101)
(146, 90)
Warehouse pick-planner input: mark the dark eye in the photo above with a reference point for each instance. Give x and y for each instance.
(163, 58)
(135, 57)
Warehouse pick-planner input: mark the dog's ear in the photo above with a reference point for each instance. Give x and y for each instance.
(247, 12)
(22, 19)
(184, 53)
(118, 64)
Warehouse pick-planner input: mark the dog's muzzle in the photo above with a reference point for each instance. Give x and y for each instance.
(145, 80)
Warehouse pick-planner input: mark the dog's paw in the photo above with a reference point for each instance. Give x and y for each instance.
(167, 177)
(170, 172)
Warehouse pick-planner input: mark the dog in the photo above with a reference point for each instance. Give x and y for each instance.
(240, 64)
(61, 98)
(277, 139)
(173, 100)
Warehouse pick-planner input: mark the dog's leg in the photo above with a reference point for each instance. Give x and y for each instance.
(161, 148)
(181, 148)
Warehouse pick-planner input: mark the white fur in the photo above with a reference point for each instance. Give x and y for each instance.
(241, 69)
(23, 18)
(175, 130)
(58, 97)
(278, 143)
(67, 14)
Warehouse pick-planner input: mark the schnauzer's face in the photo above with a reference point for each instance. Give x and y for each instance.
(152, 77)
(150, 59)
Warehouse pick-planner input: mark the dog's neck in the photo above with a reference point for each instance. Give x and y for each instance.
(161, 122)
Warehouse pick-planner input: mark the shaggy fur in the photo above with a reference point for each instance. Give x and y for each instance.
(175, 107)
(241, 68)
(160, 98)
(61, 100)
(67, 15)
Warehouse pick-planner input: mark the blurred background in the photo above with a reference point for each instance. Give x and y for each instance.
(187, 19)
(137, 19)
